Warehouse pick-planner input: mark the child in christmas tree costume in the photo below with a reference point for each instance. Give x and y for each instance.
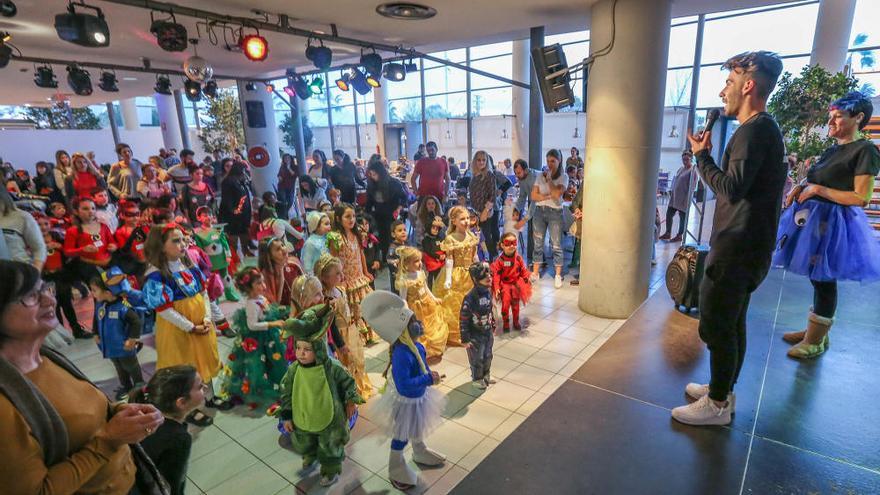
(257, 363)
(413, 287)
(328, 269)
(510, 280)
(212, 240)
(408, 409)
(453, 282)
(318, 396)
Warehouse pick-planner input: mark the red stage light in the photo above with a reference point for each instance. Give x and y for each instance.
(255, 47)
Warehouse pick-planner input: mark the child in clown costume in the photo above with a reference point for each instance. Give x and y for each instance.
(318, 396)
(409, 409)
(212, 240)
(257, 363)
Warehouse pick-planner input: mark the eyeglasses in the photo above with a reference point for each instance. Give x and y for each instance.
(32, 298)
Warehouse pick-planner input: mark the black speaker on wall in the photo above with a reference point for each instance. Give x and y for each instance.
(256, 115)
(555, 91)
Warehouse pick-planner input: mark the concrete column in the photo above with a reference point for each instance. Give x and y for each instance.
(129, 114)
(114, 128)
(380, 101)
(265, 136)
(519, 136)
(624, 125)
(536, 104)
(831, 39)
(168, 122)
(299, 147)
(181, 119)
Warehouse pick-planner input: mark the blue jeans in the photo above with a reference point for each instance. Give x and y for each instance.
(544, 218)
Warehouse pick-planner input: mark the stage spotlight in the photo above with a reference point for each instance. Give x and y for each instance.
(372, 63)
(83, 29)
(373, 81)
(289, 91)
(358, 81)
(316, 87)
(270, 88)
(250, 86)
(79, 80)
(210, 89)
(343, 81)
(394, 72)
(7, 8)
(170, 36)
(44, 77)
(193, 90)
(301, 87)
(108, 82)
(163, 85)
(255, 47)
(411, 67)
(321, 56)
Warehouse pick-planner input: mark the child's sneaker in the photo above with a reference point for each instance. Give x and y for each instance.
(506, 326)
(479, 384)
(329, 479)
(489, 380)
(517, 325)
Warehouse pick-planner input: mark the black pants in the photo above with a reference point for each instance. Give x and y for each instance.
(530, 243)
(63, 289)
(824, 298)
(490, 232)
(128, 370)
(670, 215)
(480, 355)
(724, 303)
(383, 226)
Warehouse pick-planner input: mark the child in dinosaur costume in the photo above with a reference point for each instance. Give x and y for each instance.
(212, 240)
(318, 396)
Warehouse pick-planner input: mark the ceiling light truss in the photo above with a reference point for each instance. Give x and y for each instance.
(282, 26)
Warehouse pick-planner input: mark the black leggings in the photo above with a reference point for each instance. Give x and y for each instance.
(670, 214)
(490, 232)
(64, 300)
(824, 298)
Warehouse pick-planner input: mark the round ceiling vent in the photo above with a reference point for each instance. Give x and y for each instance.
(406, 11)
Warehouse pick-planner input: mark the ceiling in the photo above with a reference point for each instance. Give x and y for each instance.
(458, 23)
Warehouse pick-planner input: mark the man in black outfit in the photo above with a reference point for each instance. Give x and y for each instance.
(748, 186)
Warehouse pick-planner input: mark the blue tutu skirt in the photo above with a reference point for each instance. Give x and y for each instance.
(827, 241)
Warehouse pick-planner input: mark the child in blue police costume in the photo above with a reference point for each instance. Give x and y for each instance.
(409, 408)
(117, 333)
(478, 325)
(119, 284)
(318, 396)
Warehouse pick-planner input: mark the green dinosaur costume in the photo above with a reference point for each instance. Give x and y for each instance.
(313, 396)
(214, 243)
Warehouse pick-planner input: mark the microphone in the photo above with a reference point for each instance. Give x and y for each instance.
(711, 118)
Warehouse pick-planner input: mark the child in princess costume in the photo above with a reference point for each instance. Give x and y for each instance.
(412, 283)
(409, 408)
(212, 240)
(318, 396)
(453, 282)
(510, 280)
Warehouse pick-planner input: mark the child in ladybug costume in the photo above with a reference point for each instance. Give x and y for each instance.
(212, 240)
(510, 280)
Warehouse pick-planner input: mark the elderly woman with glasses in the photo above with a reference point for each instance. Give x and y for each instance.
(60, 432)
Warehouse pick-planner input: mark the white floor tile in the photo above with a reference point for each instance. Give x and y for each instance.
(457, 355)
(215, 468)
(371, 451)
(428, 476)
(478, 453)
(453, 440)
(529, 377)
(507, 395)
(579, 334)
(507, 427)
(375, 485)
(591, 322)
(353, 475)
(534, 339)
(572, 366)
(553, 384)
(517, 351)
(456, 400)
(547, 360)
(257, 480)
(483, 417)
(533, 403)
(207, 440)
(547, 327)
(566, 347)
(448, 481)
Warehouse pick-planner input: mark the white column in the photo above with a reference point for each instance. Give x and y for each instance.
(831, 39)
(380, 100)
(624, 125)
(129, 114)
(519, 136)
(264, 177)
(168, 122)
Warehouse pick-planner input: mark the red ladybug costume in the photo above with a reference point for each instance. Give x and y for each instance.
(510, 279)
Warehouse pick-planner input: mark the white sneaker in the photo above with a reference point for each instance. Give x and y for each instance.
(534, 277)
(703, 412)
(479, 384)
(423, 455)
(329, 480)
(697, 391)
(488, 380)
(557, 282)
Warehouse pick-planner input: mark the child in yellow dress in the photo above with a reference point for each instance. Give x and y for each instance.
(413, 286)
(328, 269)
(454, 282)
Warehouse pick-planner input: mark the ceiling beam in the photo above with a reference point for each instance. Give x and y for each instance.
(121, 68)
(283, 26)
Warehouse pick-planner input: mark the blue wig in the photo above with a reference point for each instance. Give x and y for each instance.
(855, 103)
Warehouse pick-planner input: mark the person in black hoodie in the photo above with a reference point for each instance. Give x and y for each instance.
(748, 186)
(385, 199)
(343, 175)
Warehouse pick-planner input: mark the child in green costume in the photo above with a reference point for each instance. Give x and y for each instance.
(318, 396)
(212, 240)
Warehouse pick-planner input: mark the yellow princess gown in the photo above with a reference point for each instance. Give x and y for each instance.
(428, 309)
(354, 361)
(462, 253)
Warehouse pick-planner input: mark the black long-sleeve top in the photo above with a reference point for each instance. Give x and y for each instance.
(169, 448)
(748, 186)
(476, 318)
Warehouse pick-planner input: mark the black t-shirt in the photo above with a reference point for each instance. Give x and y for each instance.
(748, 186)
(839, 165)
(169, 448)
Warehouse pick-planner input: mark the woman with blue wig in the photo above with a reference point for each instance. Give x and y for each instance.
(824, 233)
